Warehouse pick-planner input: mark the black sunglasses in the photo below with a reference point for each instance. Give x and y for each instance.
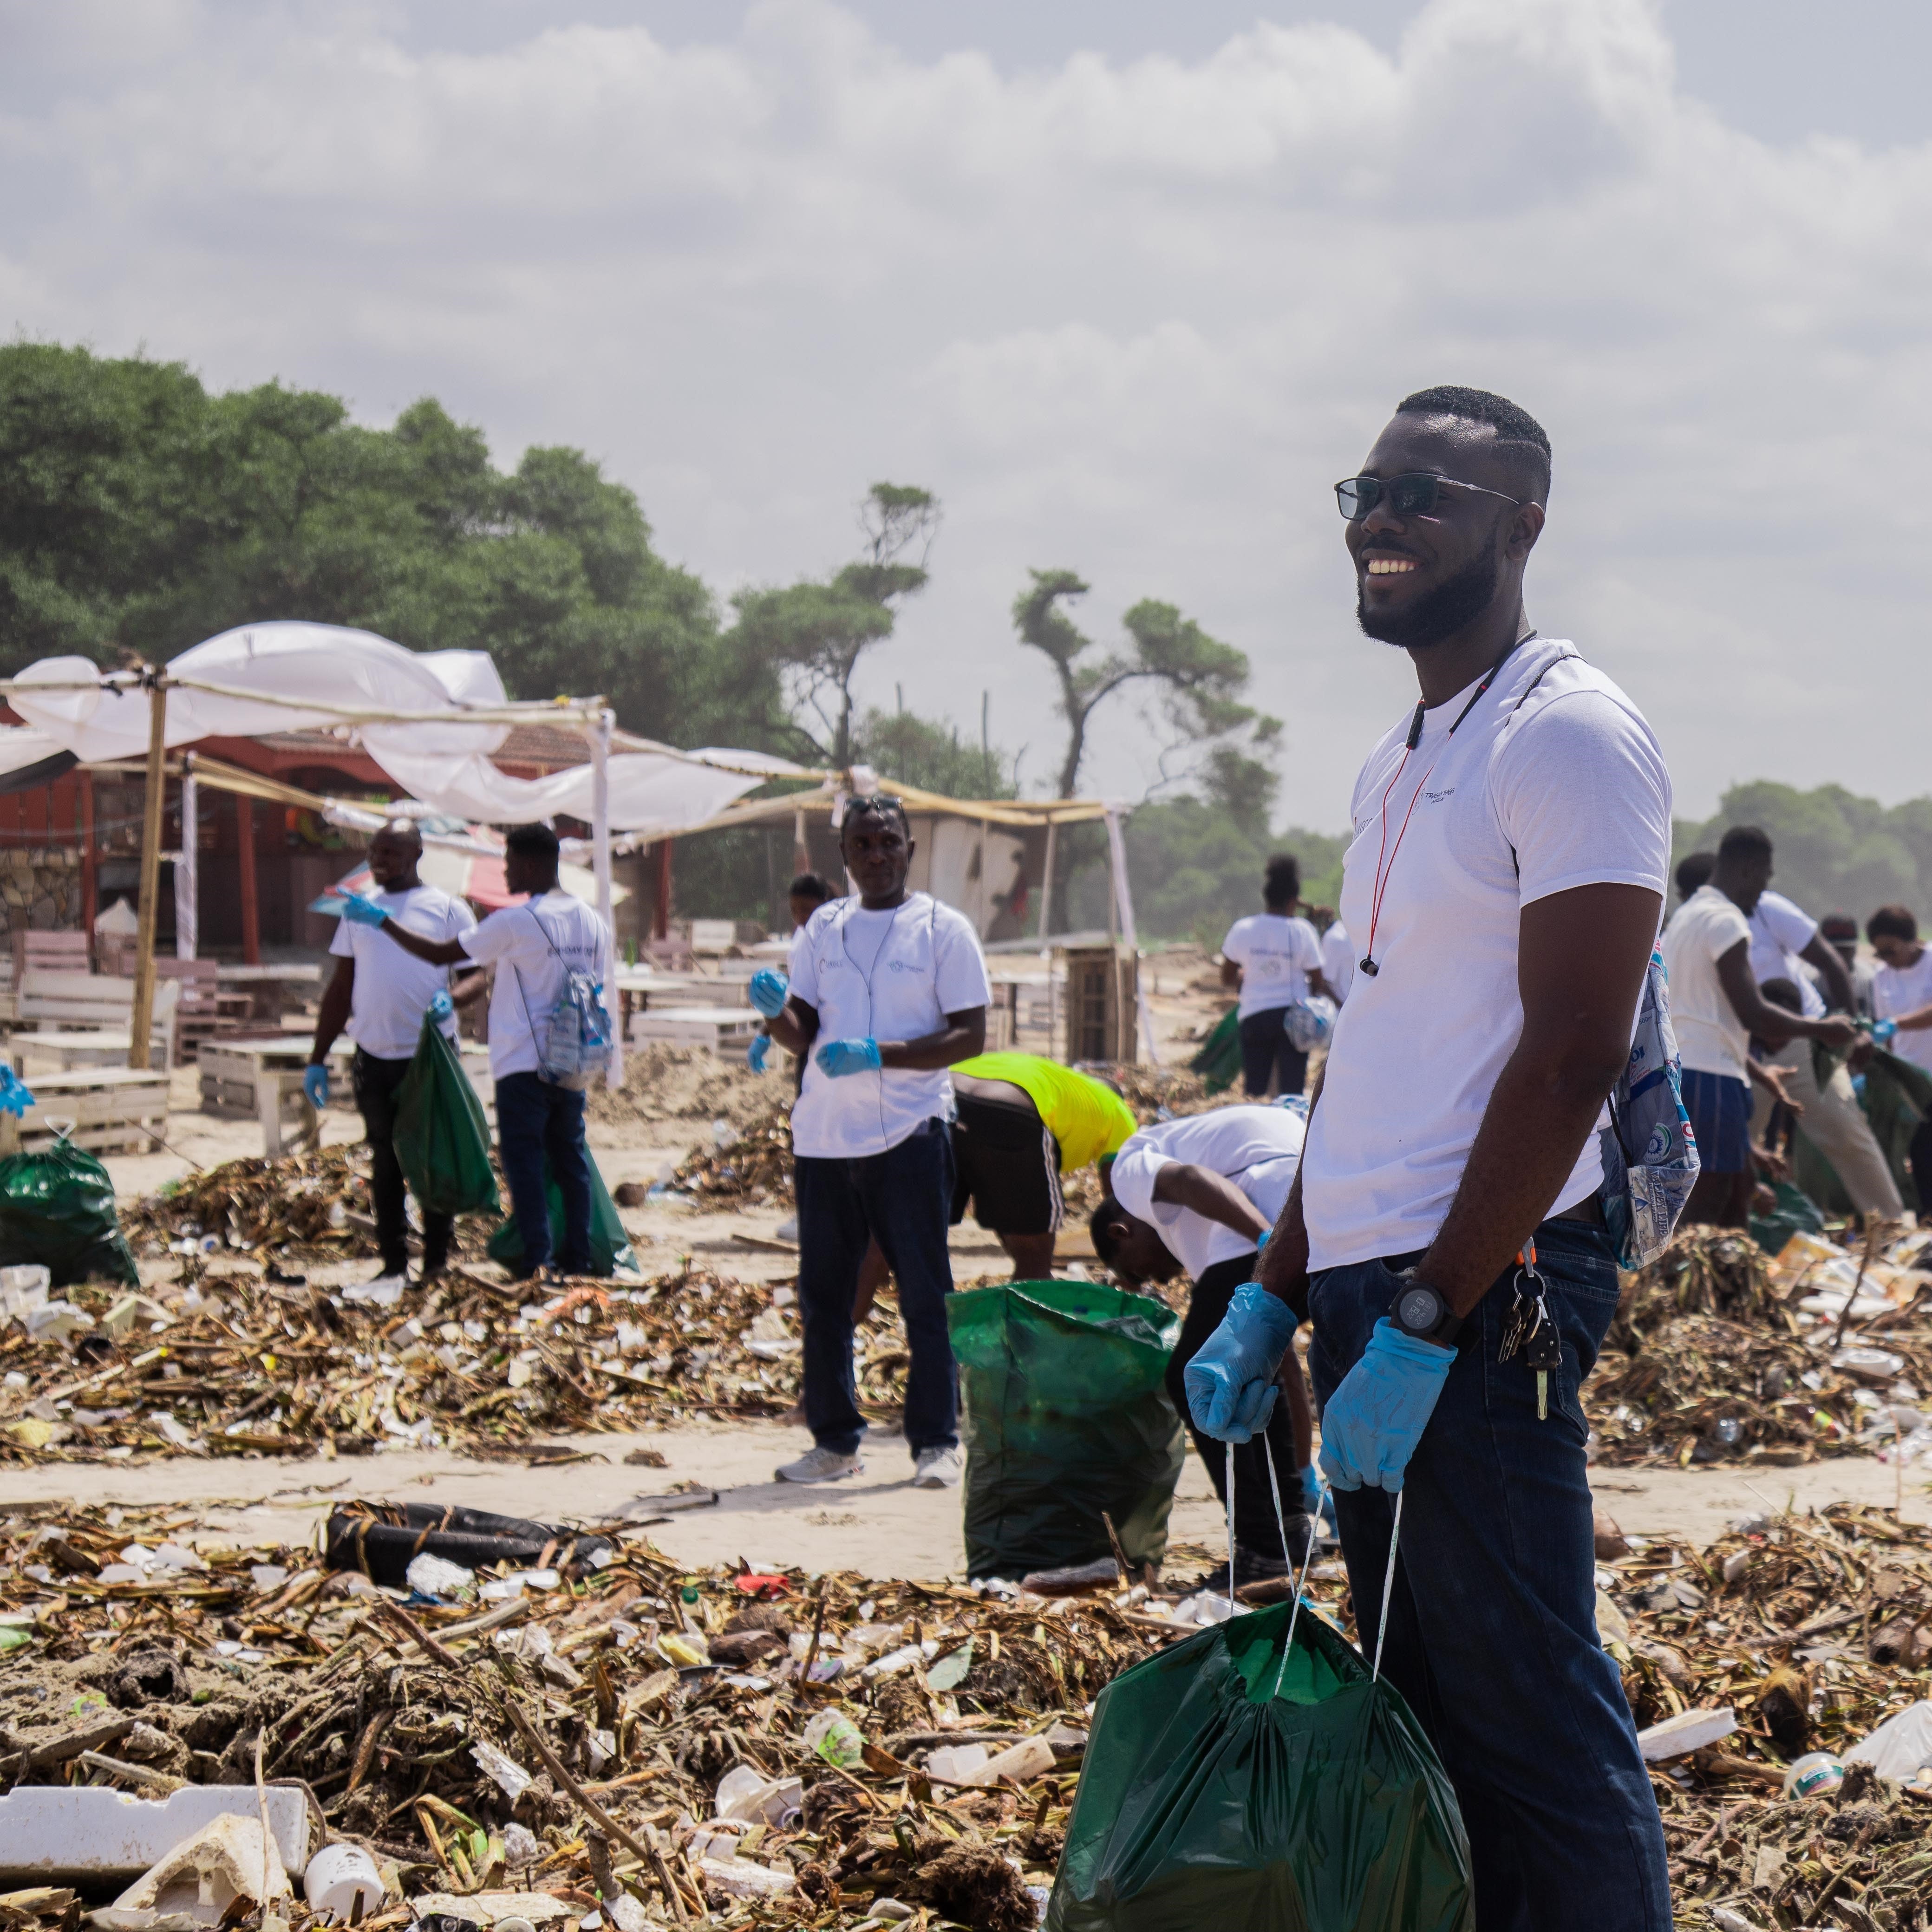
(1413, 495)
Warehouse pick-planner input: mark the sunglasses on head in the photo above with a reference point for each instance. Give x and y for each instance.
(1412, 495)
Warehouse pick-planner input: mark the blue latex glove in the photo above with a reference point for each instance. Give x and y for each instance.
(1230, 1382)
(754, 1054)
(838, 1057)
(441, 1007)
(16, 1096)
(1311, 1489)
(769, 990)
(1375, 1418)
(359, 911)
(315, 1085)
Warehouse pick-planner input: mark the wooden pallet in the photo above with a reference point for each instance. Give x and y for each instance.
(110, 1109)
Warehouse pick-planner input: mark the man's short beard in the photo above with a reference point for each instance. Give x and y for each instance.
(1454, 602)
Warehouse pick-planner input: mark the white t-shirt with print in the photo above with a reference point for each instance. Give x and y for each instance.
(1338, 961)
(1907, 990)
(393, 988)
(892, 975)
(1552, 781)
(1257, 1148)
(534, 947)
(1779, 932)
(1710, 1038)
(1276, 955)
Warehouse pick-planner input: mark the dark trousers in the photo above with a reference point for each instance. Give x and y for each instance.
(1919, 1155)
(535, 1117)
(375, 1082)
(1255, 1528)
(1264, 1046)
(902, 1198)
(1492, 1629)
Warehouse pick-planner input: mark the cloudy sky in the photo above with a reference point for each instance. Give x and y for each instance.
(1128, 284)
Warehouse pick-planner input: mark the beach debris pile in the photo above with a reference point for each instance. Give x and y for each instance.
(1720, 1352)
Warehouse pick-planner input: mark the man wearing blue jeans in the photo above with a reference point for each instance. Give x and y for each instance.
(534, 947)
(1504, 884)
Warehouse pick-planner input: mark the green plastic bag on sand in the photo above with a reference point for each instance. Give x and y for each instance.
(57, 1208)
(1218, 1062)
(1230, 1784)
(610, 1246)
(442, 1135)
(1064, 1418)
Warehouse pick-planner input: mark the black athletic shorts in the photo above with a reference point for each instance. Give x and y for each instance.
(1007, 1164)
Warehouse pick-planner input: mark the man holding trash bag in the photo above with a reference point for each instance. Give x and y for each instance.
(381, 993)
(1504, 883)
(542, 950)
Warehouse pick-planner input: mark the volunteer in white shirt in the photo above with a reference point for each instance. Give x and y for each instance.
(1902, 992)
(1275, 960)
(535, 948)
(1338, 961)
(1787, 944)
(1199, 1194)
(888, 990)
(380, 994)
(1504, 883)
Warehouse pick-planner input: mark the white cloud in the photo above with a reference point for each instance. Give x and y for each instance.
(1132, 319)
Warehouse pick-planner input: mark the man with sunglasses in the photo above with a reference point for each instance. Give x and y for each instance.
(1504, 884)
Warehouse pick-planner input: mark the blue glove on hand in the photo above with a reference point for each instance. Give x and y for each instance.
(1230, 1382)
(754, 1054)
(1311, 1489)
(315, 1085)
(359, 911)
(441, 1007)
(838, 1057)
(769, 991)
(16, 1096)
(1375, 1418)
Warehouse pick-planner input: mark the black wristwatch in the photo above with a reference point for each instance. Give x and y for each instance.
(1421, 1311)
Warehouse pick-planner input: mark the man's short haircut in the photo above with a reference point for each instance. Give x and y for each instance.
(1695, 871)
(1744, 841)
(1782, 992)
(1891, 922)
(813, 886)
(876, 805)
(402, 828)
(1109, 1226)
(533, 842)
(1282, 879)
(1516, 430)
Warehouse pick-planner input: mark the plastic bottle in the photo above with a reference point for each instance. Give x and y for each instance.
(1814, 1775)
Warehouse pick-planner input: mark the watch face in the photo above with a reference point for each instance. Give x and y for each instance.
(1419, 1308)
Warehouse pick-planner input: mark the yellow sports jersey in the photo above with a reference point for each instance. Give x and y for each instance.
(1085, 1117)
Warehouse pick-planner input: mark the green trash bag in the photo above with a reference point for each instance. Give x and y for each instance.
(1064, 1418)
(1796, 1213)
(610, 1246)
(1218, 1062)
(443, 1136)
(1234, 1783)
(57, 1208)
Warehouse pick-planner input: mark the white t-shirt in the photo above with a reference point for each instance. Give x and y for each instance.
(393, 988)
(1895, 992)
(534, 948)
(1276, 955)
(1338, 961)
(1779, 932)
(890, 975)
(1553, 781)
(1257, 1148)
(1710, 1038)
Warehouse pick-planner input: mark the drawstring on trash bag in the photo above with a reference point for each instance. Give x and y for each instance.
(1388, 1586)
(1307, 1564)
(1231, 1529)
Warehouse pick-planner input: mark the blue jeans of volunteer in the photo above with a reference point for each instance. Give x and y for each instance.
(1492, 1630)
(535, 1117)
(903, 1197)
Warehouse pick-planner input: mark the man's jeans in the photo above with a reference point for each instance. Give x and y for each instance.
(376, 1082)
(535, 1117)
(903, 1198)
(1492, 1630)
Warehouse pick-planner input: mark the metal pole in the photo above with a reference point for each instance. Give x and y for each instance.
(600, 851)
(1123, 903)
(141, 1018)
(985, 886)
(187, 870)
(1046, 886)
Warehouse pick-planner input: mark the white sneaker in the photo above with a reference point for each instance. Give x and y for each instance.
(937, 1469)
(820, 1465)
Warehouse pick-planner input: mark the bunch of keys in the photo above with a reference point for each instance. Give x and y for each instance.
(1531, 1330)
